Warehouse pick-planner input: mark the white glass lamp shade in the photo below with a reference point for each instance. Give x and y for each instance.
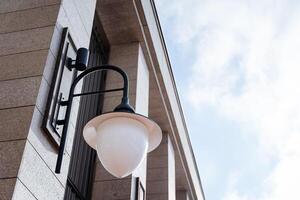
(122, 140)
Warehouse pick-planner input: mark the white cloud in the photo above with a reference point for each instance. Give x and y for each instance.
(248, 68)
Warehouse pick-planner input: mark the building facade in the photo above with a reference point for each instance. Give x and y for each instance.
(36, 37)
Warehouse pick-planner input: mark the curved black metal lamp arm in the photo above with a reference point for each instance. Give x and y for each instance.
(122, 107)
(101, 68)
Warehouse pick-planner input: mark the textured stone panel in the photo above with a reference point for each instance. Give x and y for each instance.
(63, 21)
(46, 150)
(10, 157)
(49, 67)
(22, 65)
(28, 19)
(37, 177)
(111, 102)
(161, 150)
(112, 190)
(156, 174)
(7, 188)
(19, 92)
(74, 20)
(156, 187)
(157, 161)
(42, 97)
(24, 41)
(14, 5)
(119, 21)
(115, 77)
(21, 192)
(86, 12)
(157, 197)
(15, 123)
(125, 54)
(115, 85)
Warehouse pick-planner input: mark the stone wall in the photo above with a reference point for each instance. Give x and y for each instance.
(161, 172)
(30, 33)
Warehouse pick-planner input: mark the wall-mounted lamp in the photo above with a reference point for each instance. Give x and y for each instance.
(121, 138)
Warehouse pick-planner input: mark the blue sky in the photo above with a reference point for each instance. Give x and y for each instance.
(237, 69)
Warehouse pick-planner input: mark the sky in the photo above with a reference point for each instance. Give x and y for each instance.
(237, 68)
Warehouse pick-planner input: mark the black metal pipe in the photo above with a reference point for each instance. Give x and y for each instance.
(98, 92)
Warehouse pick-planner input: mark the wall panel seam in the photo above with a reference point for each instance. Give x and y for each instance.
(27, 188)
(82, 21)
(20, 10)
(52, 25)
(11, 54)
(13, 140)
(27, 105)
(45, 163)
(8, 177)
(20, 78)
(27, 29)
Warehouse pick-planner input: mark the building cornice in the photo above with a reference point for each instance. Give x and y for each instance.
(164, 71)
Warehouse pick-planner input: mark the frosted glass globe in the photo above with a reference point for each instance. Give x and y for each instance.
(122, 145)
(122, 140)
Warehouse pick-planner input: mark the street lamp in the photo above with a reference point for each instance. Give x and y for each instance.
(122, 138)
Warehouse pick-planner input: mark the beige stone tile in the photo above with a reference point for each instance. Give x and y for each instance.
(70, 139)
(19, 92)
(76, 23)
(15, 123)
(119, 20)
(86, 10)
(7, 188)
(22, 65)
(126, 50)
(157, 196)
(49, 67)
(114, 78)
(161, 150)
(24, 41)
(157, 161)
(113, 190)
(74, 111)
(126, 61)
(117, 94)
(111, 102)
(37, 177)
(43, 95)
(55, 41)
(156, 187)
(45, 148)
(156, 174)
(14, 5)
(10, 157)
(28, 19)
(21, 192)
(125, 56)
(62, 22)
(115, 85)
